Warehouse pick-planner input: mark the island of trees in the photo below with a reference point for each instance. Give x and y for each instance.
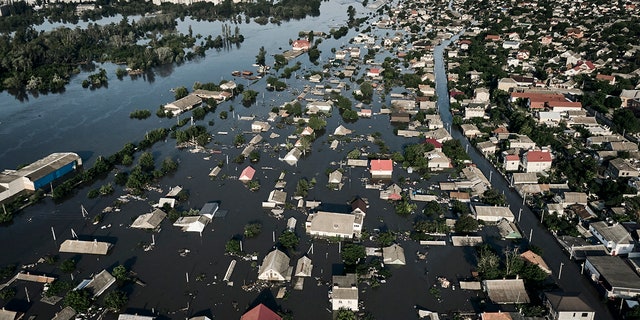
(43, 62)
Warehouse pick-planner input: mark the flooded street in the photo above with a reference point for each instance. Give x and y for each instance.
(93, 123)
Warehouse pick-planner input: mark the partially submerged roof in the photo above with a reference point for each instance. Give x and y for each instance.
(506, 291)
(209, 209)
(393, 254)
(260, 312)
(65, 314)
(303, 267)
(149, 220)
(87, 247)
(100, 282)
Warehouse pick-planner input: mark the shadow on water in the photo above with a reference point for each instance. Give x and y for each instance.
(264, 297)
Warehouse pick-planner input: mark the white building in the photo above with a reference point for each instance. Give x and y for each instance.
(492, 213)
(331, 224)
(564, 306)
(344, 292)
(615, 237)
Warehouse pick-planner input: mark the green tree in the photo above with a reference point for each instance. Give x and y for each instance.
(346, 314)
(625, 121)
(466, 224)
(168, 165)
(146, 162)
(317, 123)
(488, 264)
(252, 230)
(68, 266)
(239, 139)
(180, 92)
(120, 273)
(232, 246)
(404, 207)
(494, 198)
(59, 288)
(254, 156)
(352, 253)
(115, 300)
(433, 208)
(260, 58)
(354, 154)
(460, 208)
(79, 300)
(7, 293)
(366, 89)
(288, 239)
(385, 239)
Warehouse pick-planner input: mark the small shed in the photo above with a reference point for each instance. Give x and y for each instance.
(303, 267)
(335, 177)
(215, 171)
(341, 131)
(393, 254)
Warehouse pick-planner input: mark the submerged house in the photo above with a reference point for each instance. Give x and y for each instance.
(344, 292)
(247, 174)
(332, 224)
(149, 220)
(275, 267)
(292, 157)
(381, 169)
(192, 223)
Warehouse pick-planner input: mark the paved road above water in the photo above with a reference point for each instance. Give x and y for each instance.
(571, 280)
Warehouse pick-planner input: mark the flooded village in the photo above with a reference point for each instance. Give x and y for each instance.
(351, 173)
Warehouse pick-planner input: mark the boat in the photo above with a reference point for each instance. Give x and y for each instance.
(235, 73)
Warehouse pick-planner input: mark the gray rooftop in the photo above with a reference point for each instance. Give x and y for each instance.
(88, 247)
(567, 302)
(616, 233)
(616, 271)
(506, 291)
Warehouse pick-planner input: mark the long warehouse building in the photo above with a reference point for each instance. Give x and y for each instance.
(38, 174)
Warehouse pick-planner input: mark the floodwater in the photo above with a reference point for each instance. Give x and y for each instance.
(94, 123)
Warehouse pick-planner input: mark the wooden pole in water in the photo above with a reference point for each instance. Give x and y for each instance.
(240, 245)
(26, 292)
(53, 233)
(274, 236)
(187, 275)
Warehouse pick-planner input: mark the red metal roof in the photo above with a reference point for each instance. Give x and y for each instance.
(538, 156)
(247, 173)
(381, 165)
(512, 157)
(433, 142)
(260, 312)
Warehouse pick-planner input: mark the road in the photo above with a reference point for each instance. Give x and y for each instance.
(570, 279)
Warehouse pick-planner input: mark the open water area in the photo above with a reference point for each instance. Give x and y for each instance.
(96, 122)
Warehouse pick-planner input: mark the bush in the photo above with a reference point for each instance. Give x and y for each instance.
(252, 230)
